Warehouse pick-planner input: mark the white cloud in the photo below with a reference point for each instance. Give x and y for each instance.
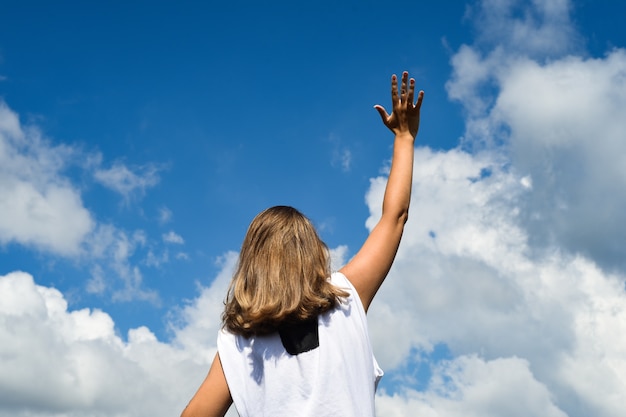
(341, 156)
(338, 257)
(472, 387)
(515, 252)
(39, 208)
(165, 215)
(58, 362)
(561, 122)
(72, 363)
(529, 335)
(111, 252)
(157, 260)
(182, 255)
(569, 139)
(537, 28)
(96, 284)
(465, 276)
(126, 181)
(173, 237)
(198, 322)
(505, 260)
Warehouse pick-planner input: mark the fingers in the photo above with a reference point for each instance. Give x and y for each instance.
(403, 88)
(406, 95)
(394, 89)
(411, 94)
(420, 97)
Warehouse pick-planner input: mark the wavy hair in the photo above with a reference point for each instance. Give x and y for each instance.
(282, 275)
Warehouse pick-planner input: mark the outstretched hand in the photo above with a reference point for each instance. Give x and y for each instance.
(405, 114)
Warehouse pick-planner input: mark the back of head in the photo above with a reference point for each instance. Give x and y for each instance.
(282, 274)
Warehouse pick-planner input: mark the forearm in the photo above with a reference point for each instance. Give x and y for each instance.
(398, 191)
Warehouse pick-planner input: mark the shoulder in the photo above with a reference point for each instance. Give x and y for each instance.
(339, 280)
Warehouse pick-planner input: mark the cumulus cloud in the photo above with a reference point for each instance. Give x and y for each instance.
(472, 387)
(465, 276)
(568, 137)
(536, 28)
(559, 121)
(73, 363)
(197, 323)
(528, 335)
(513, 257)
(42, 209)
(39, 208)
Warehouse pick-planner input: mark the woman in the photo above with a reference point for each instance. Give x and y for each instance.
(295, 338)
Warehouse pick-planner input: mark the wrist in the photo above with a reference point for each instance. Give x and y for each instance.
(405, 135)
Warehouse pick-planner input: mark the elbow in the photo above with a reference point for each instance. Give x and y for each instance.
(398, 215)
(403, 216)
(398, 219)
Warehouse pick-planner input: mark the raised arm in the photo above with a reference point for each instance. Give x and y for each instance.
(369, 267)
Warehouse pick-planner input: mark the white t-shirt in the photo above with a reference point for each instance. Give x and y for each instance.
(336, 378)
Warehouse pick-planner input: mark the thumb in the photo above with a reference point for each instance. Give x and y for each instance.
(383, 113)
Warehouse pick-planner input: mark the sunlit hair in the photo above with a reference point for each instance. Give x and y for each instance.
(282, 275)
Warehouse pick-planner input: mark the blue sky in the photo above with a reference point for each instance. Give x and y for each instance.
(138, 140)
(230, 109)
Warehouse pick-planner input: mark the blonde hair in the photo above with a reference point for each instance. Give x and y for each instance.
(282, 275)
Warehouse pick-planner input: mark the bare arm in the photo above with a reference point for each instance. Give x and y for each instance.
(369, 267)
(213, 397)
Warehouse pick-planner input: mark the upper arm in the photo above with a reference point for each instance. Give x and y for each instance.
(213, 397)
(369, 267)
